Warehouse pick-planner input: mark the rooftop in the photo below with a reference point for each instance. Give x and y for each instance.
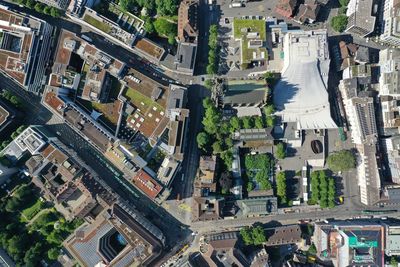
(18, 38)
(245, 93)
(252, 34)
(361, 19)
(297, 98)
(147, 184)
(149, 48)
(116, 240)
(187, 21)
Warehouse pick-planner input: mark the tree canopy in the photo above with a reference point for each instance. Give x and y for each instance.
(281, 188)
(280, 151)
(343, 160)
(253, 235)
(339, 23)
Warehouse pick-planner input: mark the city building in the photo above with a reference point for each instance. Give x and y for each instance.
(251, 35)
(207, 208)
(244, 94)
(223, 249)
(361, 17)
(123, 31)
(60, 4)
(350, 243)
(149, 49)
(392, 147)
(286, 8)
(205, 182)
(7, 115)
(147, 184)
(308, 12)
(369, 180)
(185, 58)
(283, 235)
(80, 65)
(297, 98)
(24, 48)
(389, 62)
(392, 237)
(257, 206)
(391, 32)
(114, 238)
(58, 102)
(360, 112)
(30, 141)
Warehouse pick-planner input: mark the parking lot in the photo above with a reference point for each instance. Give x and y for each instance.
(253, 8)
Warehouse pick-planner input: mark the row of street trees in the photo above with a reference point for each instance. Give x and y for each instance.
(216, 135)
(281, 190)
(323, 189)
(40, 7)
(213, 52)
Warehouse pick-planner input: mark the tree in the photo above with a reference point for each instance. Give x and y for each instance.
(343, 160)
(203, 139)
(248, 122)
(235, 124)
(280, 151)
(211, 120)
(312, 250)
(171, 38)
(269, 109)
(30, 3)
(270, 78)
(315, 186)
(393, 261)
(39, 7)
(339, 23)
(165, 28)
(227, 158)
(270, 121)
(167, 7)
(53, 253)
(54, 12)
(262, 178)
(344, 2)
(258, 235)
(32, 256)
(207, 103)
(281, 187)
(246, 235)
(250, 186)
(253, 235)
(258, 122)
(148, 25)
(217, 147)
(209, 83)
(211, 69)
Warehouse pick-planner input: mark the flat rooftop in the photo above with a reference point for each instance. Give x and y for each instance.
(16, 40)
(3, 115)
(298, 98)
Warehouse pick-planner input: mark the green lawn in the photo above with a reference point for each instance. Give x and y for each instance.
(254, 25)
(139, 100)
(98, 24)
(31, 211)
